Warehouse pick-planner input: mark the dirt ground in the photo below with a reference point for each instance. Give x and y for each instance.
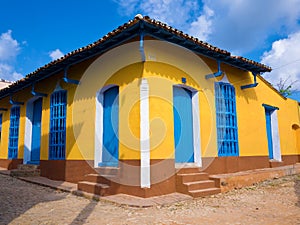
(272, 202)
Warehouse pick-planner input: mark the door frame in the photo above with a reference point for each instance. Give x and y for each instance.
(28, 129)
(196, 128)
(98, 148)
(274, 132)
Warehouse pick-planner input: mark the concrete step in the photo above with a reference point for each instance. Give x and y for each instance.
(25, 173)
(27, 167)
(191, 177)
(275, 163)
(204, 192)
(107, 170)
(186, 170)
(97, 178)
(197, 185)
(93, 188)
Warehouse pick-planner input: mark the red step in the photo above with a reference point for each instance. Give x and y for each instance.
(190, 177)
(94, 188)
(96, 178)
(107, 170)
(204, 192)
(186, 170)
(196, 185)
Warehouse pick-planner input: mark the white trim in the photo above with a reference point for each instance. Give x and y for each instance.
(225, 79)
(28, 130)
(275, 136)
(196, 128)
(145, 134)
(58, 87)
(98, 148)
(196, 125)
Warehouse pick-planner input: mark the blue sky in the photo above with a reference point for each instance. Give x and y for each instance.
(34, 32)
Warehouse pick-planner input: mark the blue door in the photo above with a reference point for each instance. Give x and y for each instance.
(269, 131)
(183, 125)
(36, 131)
(110, 153)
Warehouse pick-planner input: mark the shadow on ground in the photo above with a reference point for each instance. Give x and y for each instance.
(85, 213)
(17, 197)
(297, 189)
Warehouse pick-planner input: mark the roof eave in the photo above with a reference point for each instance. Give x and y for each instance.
(124, 33)
(164, 32)
(72, 58)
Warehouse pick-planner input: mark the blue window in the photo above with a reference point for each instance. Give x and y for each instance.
(226, 120)
(57, 139)
(14, 132)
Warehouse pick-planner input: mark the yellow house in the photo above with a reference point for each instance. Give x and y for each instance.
(147, 110)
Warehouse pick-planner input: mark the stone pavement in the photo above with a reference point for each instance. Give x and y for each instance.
(231, 181)
(119, 199)
(276, 201)
(227, 181)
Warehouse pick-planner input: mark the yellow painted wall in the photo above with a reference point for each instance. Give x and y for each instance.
(19, 97)
(251, 115)
(164, 67)
(84, 111)
(161, 78)
(167, 64)
(128, 80)
(4, 133)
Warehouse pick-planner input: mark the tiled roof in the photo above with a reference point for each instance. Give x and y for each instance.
(203, 44)
(131, 29)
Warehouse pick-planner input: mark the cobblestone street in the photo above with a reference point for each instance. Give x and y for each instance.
(270, 202)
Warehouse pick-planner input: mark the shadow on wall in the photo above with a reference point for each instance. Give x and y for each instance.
(249, 94)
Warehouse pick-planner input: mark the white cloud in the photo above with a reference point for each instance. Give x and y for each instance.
(127, 7)
(177, 13)
(284, 58)
(245, 26)
(202, 27)
(241, 27)
(7, 72)
(56, 54)
(9, 49)
(235, 25)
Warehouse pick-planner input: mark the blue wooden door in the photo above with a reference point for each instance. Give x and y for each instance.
(36, 131)
(269, 132)
(183, 125)
(110, 153)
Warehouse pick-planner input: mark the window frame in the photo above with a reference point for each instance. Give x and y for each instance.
(57, 127)
(14, 127)
(226, 120)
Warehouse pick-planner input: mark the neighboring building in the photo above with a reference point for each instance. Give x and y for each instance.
(4, 83)
(140, 103)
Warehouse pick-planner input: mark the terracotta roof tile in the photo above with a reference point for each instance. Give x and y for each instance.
(126, 26)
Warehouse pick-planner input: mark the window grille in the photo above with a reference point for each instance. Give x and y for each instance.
(14, 132)
(57, 142)
(226, 119)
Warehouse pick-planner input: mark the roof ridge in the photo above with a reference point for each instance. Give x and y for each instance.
(203, 43)
(139, 17)
(237, 61)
